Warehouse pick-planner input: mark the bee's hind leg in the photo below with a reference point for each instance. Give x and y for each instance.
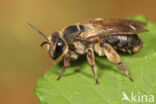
(113, 56)
(91, 61)
(66, 64)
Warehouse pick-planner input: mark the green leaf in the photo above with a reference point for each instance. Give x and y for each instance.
(77, 86)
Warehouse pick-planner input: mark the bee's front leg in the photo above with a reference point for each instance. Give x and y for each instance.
(113, 56)
(91, 61)
(66, 64)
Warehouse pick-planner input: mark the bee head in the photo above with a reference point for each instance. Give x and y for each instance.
(55, 44)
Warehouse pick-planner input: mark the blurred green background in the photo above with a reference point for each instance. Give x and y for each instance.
(22, 60)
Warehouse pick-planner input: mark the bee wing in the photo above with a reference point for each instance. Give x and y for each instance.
(111, 27)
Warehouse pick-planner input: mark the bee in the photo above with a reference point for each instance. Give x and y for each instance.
(102, 36)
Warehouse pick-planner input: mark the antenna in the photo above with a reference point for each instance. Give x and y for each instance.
(37, 30)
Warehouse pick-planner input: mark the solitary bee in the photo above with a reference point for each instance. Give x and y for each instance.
(103, 36)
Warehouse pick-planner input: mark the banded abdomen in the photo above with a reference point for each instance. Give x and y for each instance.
(126, 44)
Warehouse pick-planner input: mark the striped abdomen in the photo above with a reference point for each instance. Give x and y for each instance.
(127, 44)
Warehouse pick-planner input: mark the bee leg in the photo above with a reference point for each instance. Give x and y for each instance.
(66, 64)
(113, 56)
(91, 61)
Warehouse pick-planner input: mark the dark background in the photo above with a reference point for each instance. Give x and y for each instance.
(22, 61)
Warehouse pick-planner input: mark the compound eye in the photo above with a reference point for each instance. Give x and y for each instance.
(59, 44)
(59, 49)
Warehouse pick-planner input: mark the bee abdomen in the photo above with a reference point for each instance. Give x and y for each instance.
(127, 44)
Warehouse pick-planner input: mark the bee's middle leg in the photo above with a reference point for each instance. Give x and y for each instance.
(113, 56)
(91, 61)
(66, 64)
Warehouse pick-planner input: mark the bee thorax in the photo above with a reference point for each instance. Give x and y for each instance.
(80, 48)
